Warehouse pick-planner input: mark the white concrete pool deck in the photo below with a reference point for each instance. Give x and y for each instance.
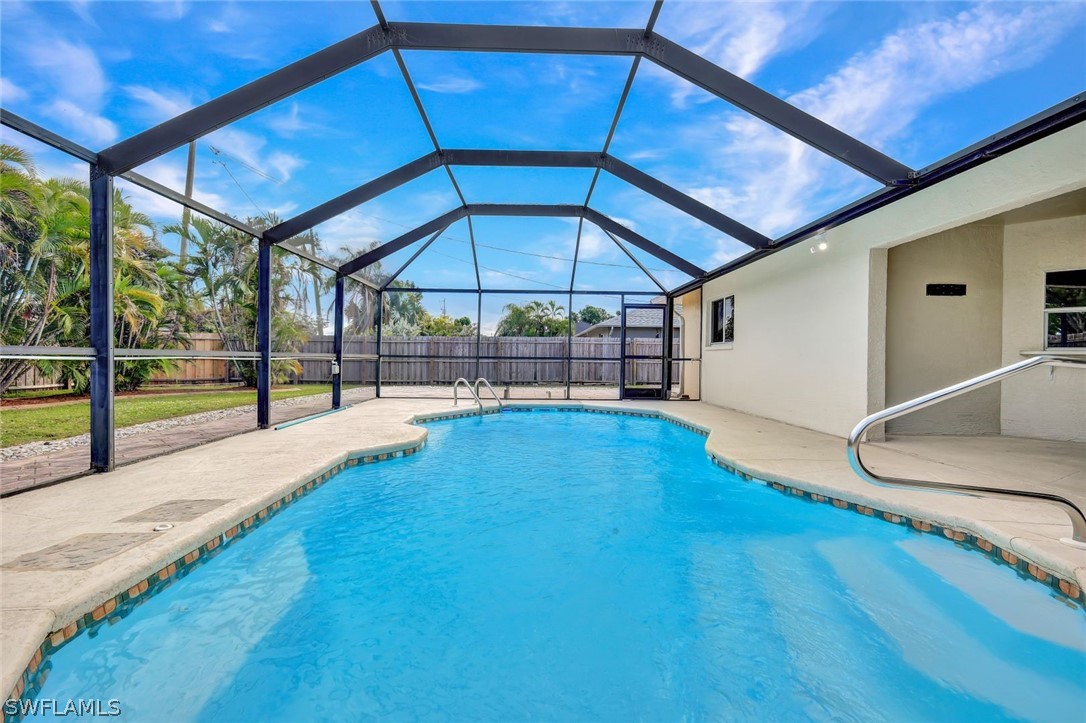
(248, 472)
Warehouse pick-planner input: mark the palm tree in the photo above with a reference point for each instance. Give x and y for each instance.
(223, 276)
(535, 318)
(46, 226)
(44, 294)
(17, 184)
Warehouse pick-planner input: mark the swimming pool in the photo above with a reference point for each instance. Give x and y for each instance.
(564, 566)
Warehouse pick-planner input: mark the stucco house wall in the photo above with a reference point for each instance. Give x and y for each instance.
(1047, 403)
(935, 341)
(810, 328)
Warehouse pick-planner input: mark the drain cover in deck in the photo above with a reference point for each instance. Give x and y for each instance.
(80, 552)
(175, 511)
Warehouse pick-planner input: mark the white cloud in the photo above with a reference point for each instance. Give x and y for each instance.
(93, 127)
(82, 9)
(874, 96)
(595, 244)
(168, 9)
(741, 37)
(172, 175)
(291, 123)
(232, 19)
(159, 105)
(452, 85)
(644, 154)
(353, 230)
(248, 148)
(73, 71)
(284, 164)
(10, 93)
(915, 66)
(284, 210)
(79, 87)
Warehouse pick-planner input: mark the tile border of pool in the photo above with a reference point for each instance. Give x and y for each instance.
(124, 602)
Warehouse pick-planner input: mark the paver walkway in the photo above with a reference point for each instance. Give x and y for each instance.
(42, 469)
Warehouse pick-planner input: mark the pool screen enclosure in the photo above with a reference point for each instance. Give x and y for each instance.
(641, 44)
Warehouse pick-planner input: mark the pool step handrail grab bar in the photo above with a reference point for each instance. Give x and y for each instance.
(467, 385)
(482, 380)
(1078, 521)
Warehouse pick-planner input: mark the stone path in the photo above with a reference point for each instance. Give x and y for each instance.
(72, 461)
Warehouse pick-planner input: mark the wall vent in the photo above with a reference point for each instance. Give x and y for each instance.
(946, 289)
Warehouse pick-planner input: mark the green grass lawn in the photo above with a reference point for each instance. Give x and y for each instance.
(57, 421)
(35, 394)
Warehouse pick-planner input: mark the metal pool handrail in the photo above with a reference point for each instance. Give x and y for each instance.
(467, 384)
(1078, 521)
(482, 380)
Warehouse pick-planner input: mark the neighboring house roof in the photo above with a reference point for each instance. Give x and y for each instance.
(635, 319)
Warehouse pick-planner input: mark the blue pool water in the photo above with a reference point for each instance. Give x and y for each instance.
(564, 567)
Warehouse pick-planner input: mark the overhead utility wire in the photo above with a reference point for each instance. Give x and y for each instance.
(240, 187)
(247, 166)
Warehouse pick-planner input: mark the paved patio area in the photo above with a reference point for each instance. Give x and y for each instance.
(232, 479)
(1008, 462)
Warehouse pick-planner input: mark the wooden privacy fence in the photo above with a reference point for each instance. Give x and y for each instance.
(196, 371)
(439, 360)
(521, 360)
(34, 379)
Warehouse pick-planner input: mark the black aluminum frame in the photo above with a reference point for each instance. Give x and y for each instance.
(120, 159)
(665, 354)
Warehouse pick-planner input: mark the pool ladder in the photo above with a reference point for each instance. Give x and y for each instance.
(1078, 521)
(474, 392)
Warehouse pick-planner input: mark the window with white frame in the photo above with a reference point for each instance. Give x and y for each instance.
(1065, 309)
(722, 321)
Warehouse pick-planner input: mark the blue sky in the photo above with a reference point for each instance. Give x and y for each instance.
(917, 80)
